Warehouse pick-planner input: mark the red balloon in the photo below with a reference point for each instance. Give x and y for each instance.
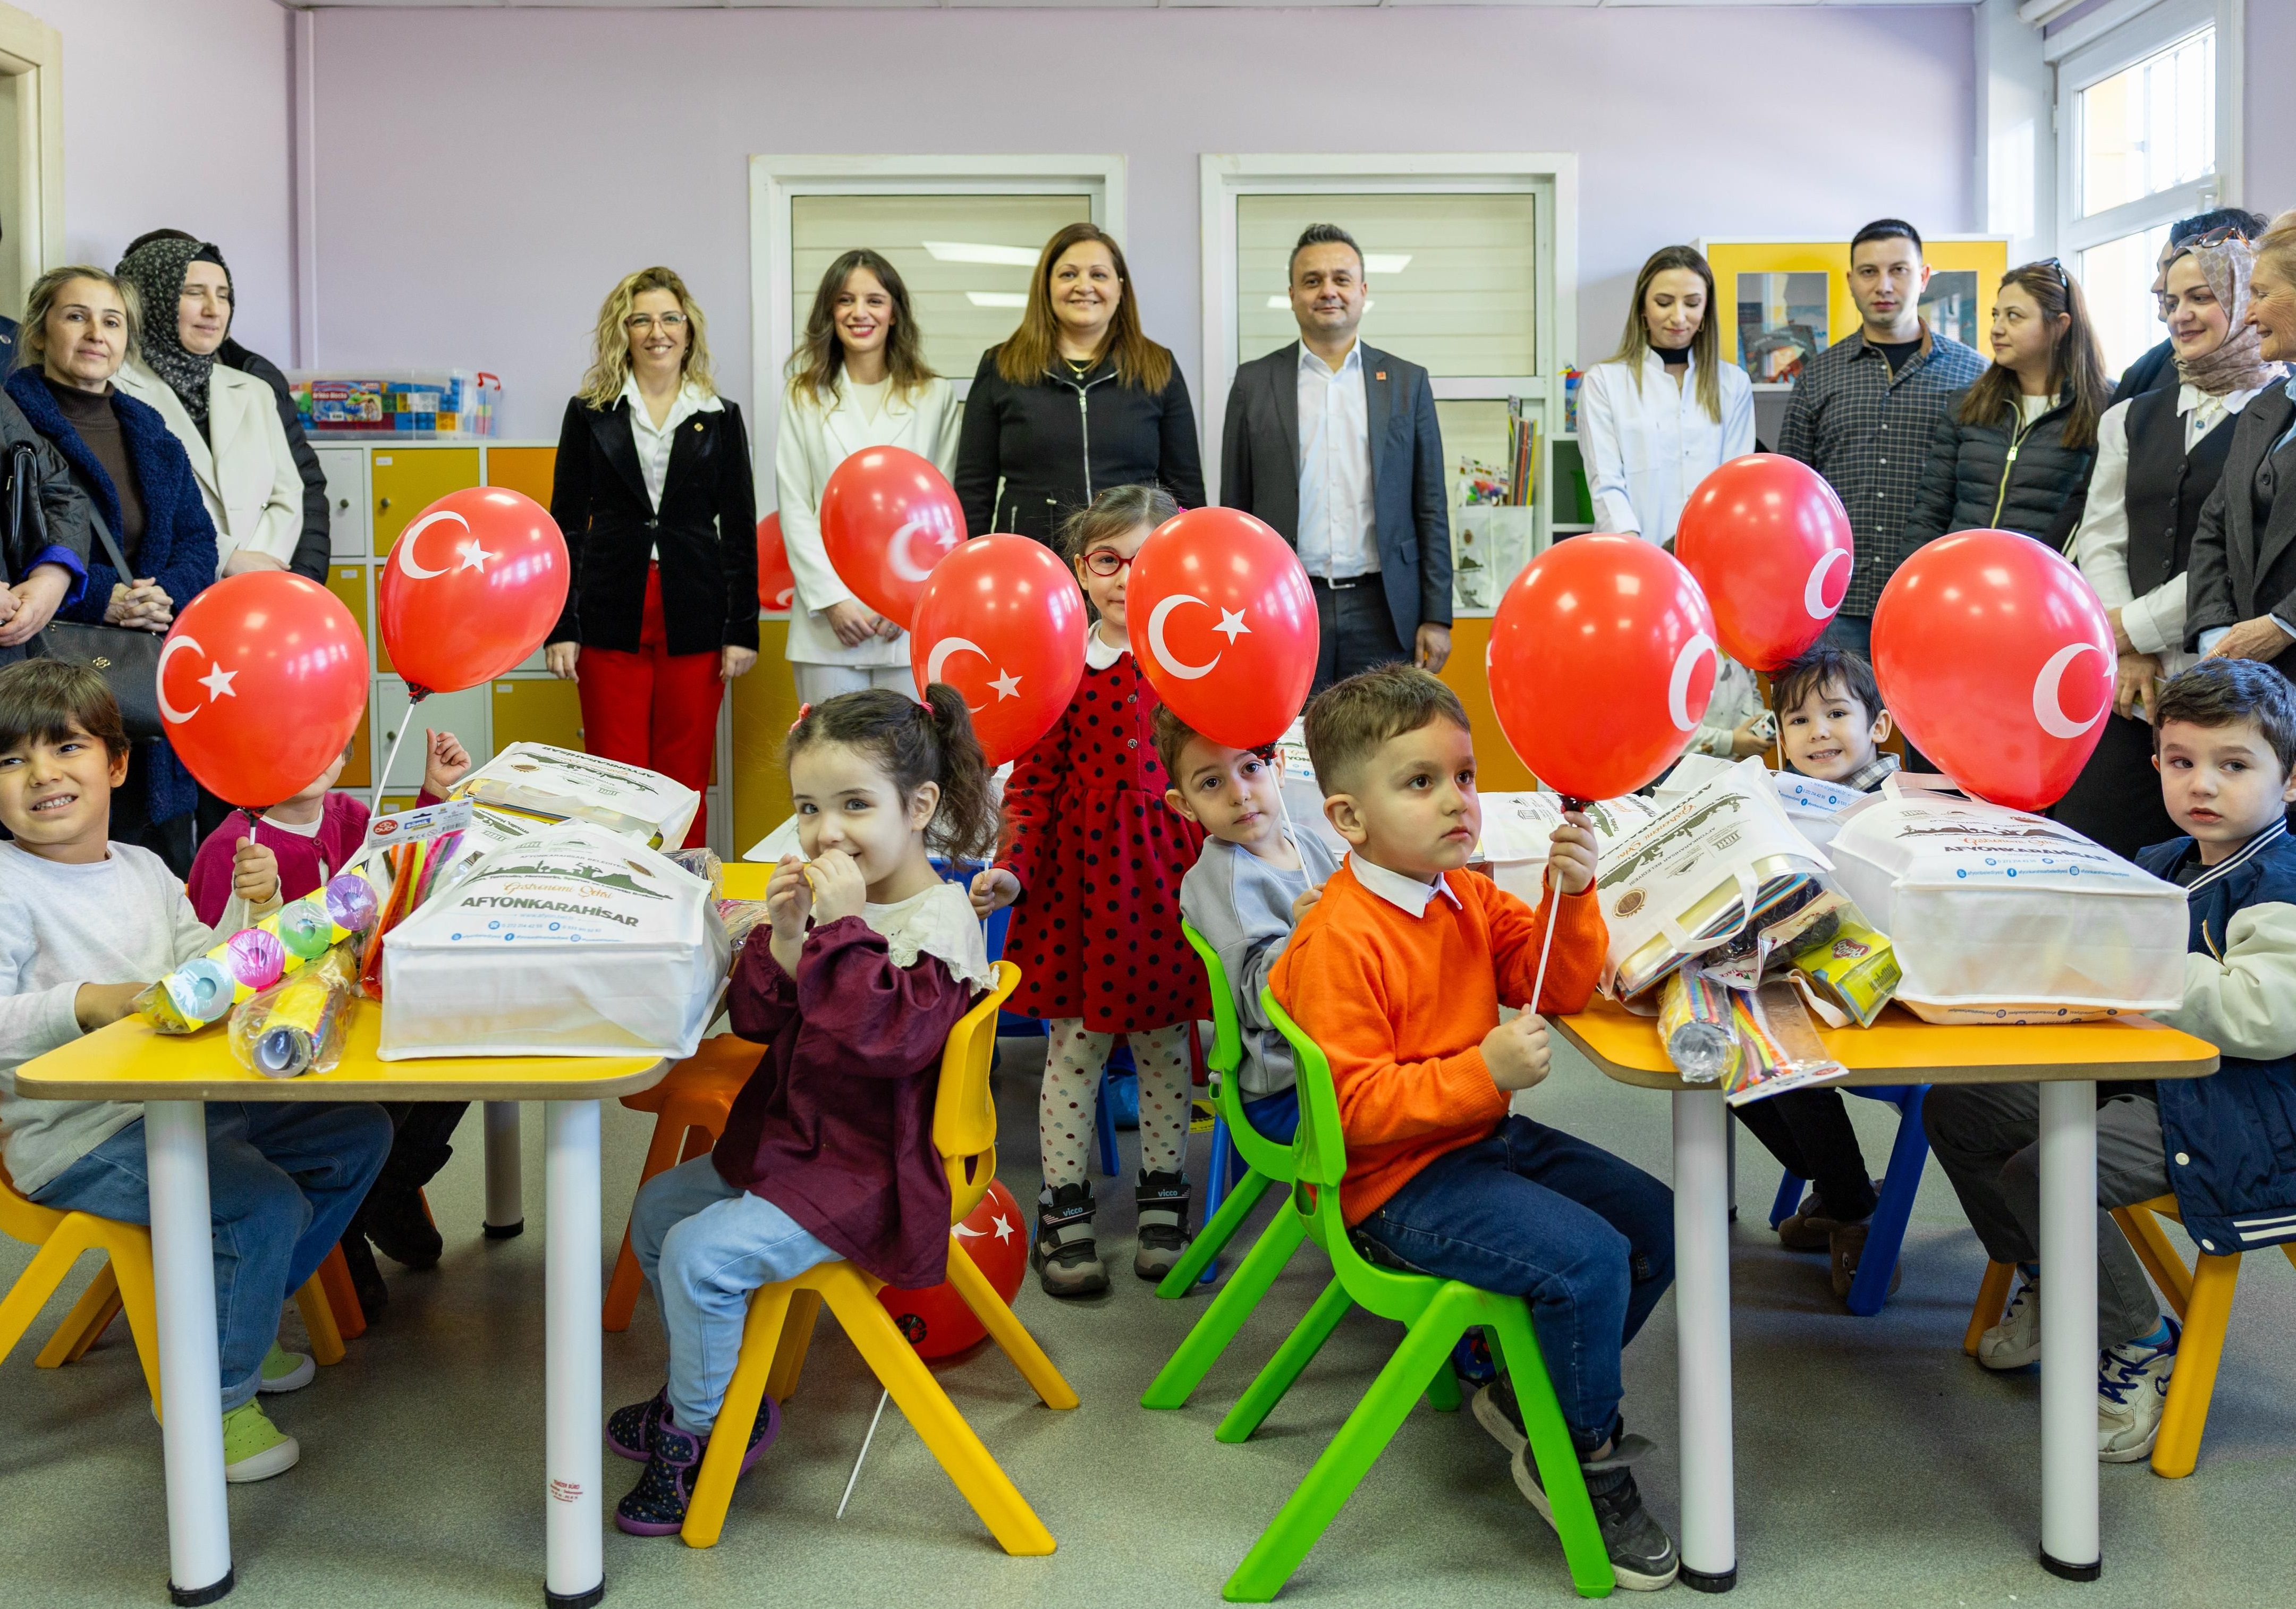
(1602, 660)
(887, 518)
(1223, 625)
(1003, 621)
(1997, 660)
(995, 1235)
(262, 681)
(1769, 543)
(776, 583)
(472, 586)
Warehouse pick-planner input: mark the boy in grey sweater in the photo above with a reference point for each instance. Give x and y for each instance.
(85, 923)
(1254, 881)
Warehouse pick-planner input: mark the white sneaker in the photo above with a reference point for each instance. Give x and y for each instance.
(2132, 1389)
(2016, 1341)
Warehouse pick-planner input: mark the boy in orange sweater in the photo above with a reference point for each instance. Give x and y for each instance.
(1397, 973)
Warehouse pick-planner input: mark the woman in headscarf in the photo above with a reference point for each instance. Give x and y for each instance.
(2159, 456)
(227, 422)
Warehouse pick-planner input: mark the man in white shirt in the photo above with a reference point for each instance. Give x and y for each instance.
(1335, 445)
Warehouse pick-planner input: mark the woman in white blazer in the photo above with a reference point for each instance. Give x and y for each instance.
(227, 422)
(858, 379)
(1663, 412)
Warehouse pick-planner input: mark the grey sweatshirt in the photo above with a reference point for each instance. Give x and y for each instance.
(121, 920)
(1243, 907)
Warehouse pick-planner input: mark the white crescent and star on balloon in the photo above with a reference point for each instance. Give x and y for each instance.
(218, 681)
(472, 553)
(1006, 683)
(2049, 694)
(1231, 626)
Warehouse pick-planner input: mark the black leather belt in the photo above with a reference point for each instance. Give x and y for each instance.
(1342, 583)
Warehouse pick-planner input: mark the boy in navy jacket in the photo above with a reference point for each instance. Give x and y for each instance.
(2225, 742)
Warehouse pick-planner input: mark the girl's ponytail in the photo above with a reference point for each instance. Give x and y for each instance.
(966, 822)
(916, 742)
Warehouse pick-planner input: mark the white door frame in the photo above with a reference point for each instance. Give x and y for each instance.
(32, 54)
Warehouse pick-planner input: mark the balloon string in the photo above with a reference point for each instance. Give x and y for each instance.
(1554, 909)
(406, 723)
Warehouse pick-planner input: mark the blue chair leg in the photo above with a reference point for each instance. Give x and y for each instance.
(1214, 1188)
(1104, 1119)
(1790, 1189)
(1908, 1157)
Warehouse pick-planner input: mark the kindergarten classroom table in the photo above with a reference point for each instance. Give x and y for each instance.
(173, 1078)
(2067, 1060)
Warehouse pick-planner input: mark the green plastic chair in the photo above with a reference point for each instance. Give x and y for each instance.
(1437, 1312)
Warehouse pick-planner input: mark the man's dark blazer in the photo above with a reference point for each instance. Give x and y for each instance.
(1260, 473)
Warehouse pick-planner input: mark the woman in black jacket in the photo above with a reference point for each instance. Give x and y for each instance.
(652, 492)
(1076, 401)
(2010, 449)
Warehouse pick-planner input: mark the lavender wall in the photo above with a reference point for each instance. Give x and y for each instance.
(2268, 142)
(484, 176)
(175, 115)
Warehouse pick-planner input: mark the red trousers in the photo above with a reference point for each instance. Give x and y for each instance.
(654, 708)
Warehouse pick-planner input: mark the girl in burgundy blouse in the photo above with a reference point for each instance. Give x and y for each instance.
(828, 1151)
(1094, 859)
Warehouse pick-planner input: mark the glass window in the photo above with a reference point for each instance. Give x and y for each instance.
(2149, 127)
(2116, 278)
(1451, 275)
(965, 258)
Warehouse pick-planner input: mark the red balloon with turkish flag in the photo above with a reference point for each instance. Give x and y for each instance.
(1602, 661)
(995, 1236)
(262, 681)
(1223, 625)
(1996, 657)
(472, 586)
(776, 582)
(1003, 621)
(887, 518)
(1768, 542)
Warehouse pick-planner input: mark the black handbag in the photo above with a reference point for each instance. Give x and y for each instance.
(128, 658)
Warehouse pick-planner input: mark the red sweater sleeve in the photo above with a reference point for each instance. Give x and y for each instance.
(1574, 964)
(857, 1010)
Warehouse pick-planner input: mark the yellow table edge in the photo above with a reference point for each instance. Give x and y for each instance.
(128, 1062)
(1900, 1049)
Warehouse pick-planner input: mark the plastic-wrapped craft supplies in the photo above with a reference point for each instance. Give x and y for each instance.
(571, 940)
(628, 799)
(1998, 915)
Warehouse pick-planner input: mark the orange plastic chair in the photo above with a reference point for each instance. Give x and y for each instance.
(123, 1283)
(690, 1107)
(2201, 1299)
(781, 1316)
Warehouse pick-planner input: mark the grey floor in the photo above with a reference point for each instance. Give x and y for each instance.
(1875, 1463)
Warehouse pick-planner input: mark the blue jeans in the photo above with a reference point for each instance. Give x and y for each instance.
(1587, 1240)
(1275, 1116)
(283, 1178)
(704, 1246)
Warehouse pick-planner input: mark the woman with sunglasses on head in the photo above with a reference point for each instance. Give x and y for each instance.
(652, 492)
(1075, 401)
(2011, 448)
(2159, 456)
(856, 379)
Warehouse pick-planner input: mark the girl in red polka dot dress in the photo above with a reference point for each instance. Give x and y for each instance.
(1092, 866)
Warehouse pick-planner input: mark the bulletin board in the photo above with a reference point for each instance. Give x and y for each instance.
(1785, 299)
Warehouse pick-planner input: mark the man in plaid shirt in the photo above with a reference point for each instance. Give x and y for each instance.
(1864, 410)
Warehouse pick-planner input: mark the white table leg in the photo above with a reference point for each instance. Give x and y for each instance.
(183, 1272)
(505, 1205)
(574, 1409)
(1701, 1306)
(2070, 1546)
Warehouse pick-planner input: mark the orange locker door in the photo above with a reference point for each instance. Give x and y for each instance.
(536, 712)
(522, 468)
(348, 583)
(407, 479)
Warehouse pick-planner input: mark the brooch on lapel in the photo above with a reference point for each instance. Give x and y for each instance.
(1380, 374)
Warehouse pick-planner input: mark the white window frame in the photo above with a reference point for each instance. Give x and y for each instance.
(2116, 35)
(774, 181)
(1551, 176)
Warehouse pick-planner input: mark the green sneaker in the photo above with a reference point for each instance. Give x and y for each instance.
(253, 1448)
(285, 1371)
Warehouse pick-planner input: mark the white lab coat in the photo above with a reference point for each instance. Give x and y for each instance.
(246, 470)
(1645, 450)
(812, 442)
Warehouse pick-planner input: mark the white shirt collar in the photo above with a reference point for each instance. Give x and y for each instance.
(691, 399)
(1407, 894)
(2190, 397)
(1319, 367)
(1098, 654)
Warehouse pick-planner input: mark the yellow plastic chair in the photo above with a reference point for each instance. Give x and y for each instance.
(781, 1316)
(123, 1283)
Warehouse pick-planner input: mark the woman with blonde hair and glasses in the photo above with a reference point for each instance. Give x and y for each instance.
(653, 490)
(858, 379)
(1076, 400)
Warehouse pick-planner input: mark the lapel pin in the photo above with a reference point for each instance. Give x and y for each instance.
(1379, 374)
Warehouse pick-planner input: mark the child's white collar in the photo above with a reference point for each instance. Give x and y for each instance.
(1097, 653)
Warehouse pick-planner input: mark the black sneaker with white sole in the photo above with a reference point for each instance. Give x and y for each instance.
(1643, 1556)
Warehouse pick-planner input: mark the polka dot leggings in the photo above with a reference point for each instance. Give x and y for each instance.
(1072, 1093)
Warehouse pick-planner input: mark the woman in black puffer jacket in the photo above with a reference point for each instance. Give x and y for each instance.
(2010, 449)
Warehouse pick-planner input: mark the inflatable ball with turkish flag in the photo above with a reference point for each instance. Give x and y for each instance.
(1223, 625)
